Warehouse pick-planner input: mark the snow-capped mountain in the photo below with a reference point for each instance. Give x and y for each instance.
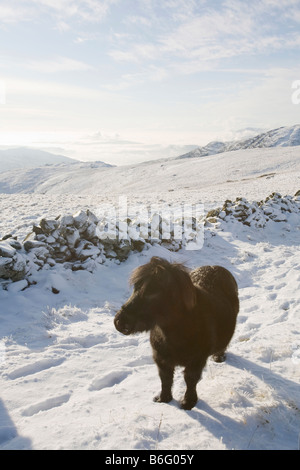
(281, 137)
(25, 157)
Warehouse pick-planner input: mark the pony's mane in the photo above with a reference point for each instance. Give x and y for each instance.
(174, 275)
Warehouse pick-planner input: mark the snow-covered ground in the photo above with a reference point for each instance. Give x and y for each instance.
(69, 380)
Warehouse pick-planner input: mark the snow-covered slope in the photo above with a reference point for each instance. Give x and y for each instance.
(69, 380)
(237, 173)
(23, 157)
(60, 178)
(281, 137)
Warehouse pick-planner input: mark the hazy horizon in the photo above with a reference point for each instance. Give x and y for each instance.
(129, 80)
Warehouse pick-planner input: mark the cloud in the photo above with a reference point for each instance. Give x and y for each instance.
(34, 88)
(265, 103)
(58, 64)
(236, 29)
(86, 36)
(11, 13)
(201, 36)
(60, 10)
(114, 149)
(148, 74)
(137, 53)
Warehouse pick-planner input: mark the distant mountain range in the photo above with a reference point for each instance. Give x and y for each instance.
(281, 137)
(30, 158)
(24, 157)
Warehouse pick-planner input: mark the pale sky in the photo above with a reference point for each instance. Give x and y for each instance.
(127, 79)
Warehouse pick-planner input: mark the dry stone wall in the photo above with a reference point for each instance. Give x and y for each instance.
(83, 241)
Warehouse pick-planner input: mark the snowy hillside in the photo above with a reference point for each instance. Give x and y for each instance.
(239, 173)
(281, 137)
(69, 380)
(23, 157)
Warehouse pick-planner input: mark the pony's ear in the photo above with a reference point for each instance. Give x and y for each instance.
(185, 290)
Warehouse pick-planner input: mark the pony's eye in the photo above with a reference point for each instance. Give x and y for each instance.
(152, 296)
(152, 292)
(137, 286)
(151, 289)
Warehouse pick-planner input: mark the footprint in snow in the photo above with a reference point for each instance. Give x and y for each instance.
(285, 306)
(141, 361)
(252, 308)
(34, 368)
(46, 405)
(279, 262)
(85, 342)
(281, 285)
(242, 319)
(109, 380)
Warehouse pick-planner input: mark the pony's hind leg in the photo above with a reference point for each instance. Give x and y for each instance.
(220, 356)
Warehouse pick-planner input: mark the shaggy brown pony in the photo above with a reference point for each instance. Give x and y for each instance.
(190, 317)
